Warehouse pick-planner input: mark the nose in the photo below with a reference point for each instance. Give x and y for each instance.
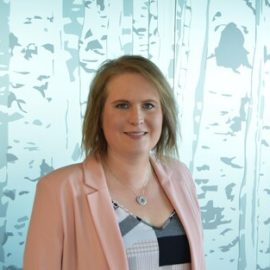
(136, 116)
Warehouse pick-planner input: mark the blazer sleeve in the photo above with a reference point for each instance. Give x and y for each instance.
(44, 246)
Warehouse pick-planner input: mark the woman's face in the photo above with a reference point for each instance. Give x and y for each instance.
(132, 115)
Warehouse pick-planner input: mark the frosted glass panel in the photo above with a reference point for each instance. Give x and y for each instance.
(216, 56)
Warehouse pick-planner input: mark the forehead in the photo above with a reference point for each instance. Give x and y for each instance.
(131, 85)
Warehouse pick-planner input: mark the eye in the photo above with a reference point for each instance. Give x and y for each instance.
(122, 105)
(148, 106)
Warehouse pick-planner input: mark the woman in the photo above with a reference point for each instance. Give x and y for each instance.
(128, 205)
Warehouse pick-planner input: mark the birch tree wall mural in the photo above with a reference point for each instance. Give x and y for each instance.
(215, 54)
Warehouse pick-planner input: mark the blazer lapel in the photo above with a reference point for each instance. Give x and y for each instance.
(101, 209)
(179, 197)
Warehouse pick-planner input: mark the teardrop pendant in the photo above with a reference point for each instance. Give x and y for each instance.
(141, 200)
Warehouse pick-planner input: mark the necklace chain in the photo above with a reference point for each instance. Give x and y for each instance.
(140, 198)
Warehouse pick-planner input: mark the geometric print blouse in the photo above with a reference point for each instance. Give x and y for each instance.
(152, 248)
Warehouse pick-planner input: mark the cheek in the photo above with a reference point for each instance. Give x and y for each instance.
(110, 122)
(105, 117)
(156, 124)
(159, 121)
(105, 123)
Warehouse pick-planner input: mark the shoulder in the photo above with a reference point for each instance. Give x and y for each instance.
(178, 173)
(173, 167)
(181, 178)
(62, 176)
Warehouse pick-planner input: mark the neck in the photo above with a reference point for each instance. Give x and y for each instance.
(130, 170)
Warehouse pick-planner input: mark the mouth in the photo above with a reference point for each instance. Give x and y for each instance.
(135, 133)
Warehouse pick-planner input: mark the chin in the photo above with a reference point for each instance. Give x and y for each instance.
(141, 152)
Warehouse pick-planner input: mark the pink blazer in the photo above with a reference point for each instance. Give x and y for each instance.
(73, 225)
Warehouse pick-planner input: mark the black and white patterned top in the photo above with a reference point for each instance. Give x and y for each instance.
(151, 248)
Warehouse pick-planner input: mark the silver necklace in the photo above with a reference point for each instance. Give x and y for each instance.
(141, 198)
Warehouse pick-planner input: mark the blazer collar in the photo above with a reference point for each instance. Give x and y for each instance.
(94, 175)
(164, 176)
(100, 206)
(161, 171)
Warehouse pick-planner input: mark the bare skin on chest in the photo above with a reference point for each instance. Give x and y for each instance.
(155, 212)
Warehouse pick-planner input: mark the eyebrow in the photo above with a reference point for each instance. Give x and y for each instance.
(143, 101)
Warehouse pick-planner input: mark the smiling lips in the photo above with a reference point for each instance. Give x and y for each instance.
(136, 134)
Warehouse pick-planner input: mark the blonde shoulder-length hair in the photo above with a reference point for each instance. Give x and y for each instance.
(93, 140)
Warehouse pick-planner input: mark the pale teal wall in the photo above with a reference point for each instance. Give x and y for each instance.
(216, 55)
